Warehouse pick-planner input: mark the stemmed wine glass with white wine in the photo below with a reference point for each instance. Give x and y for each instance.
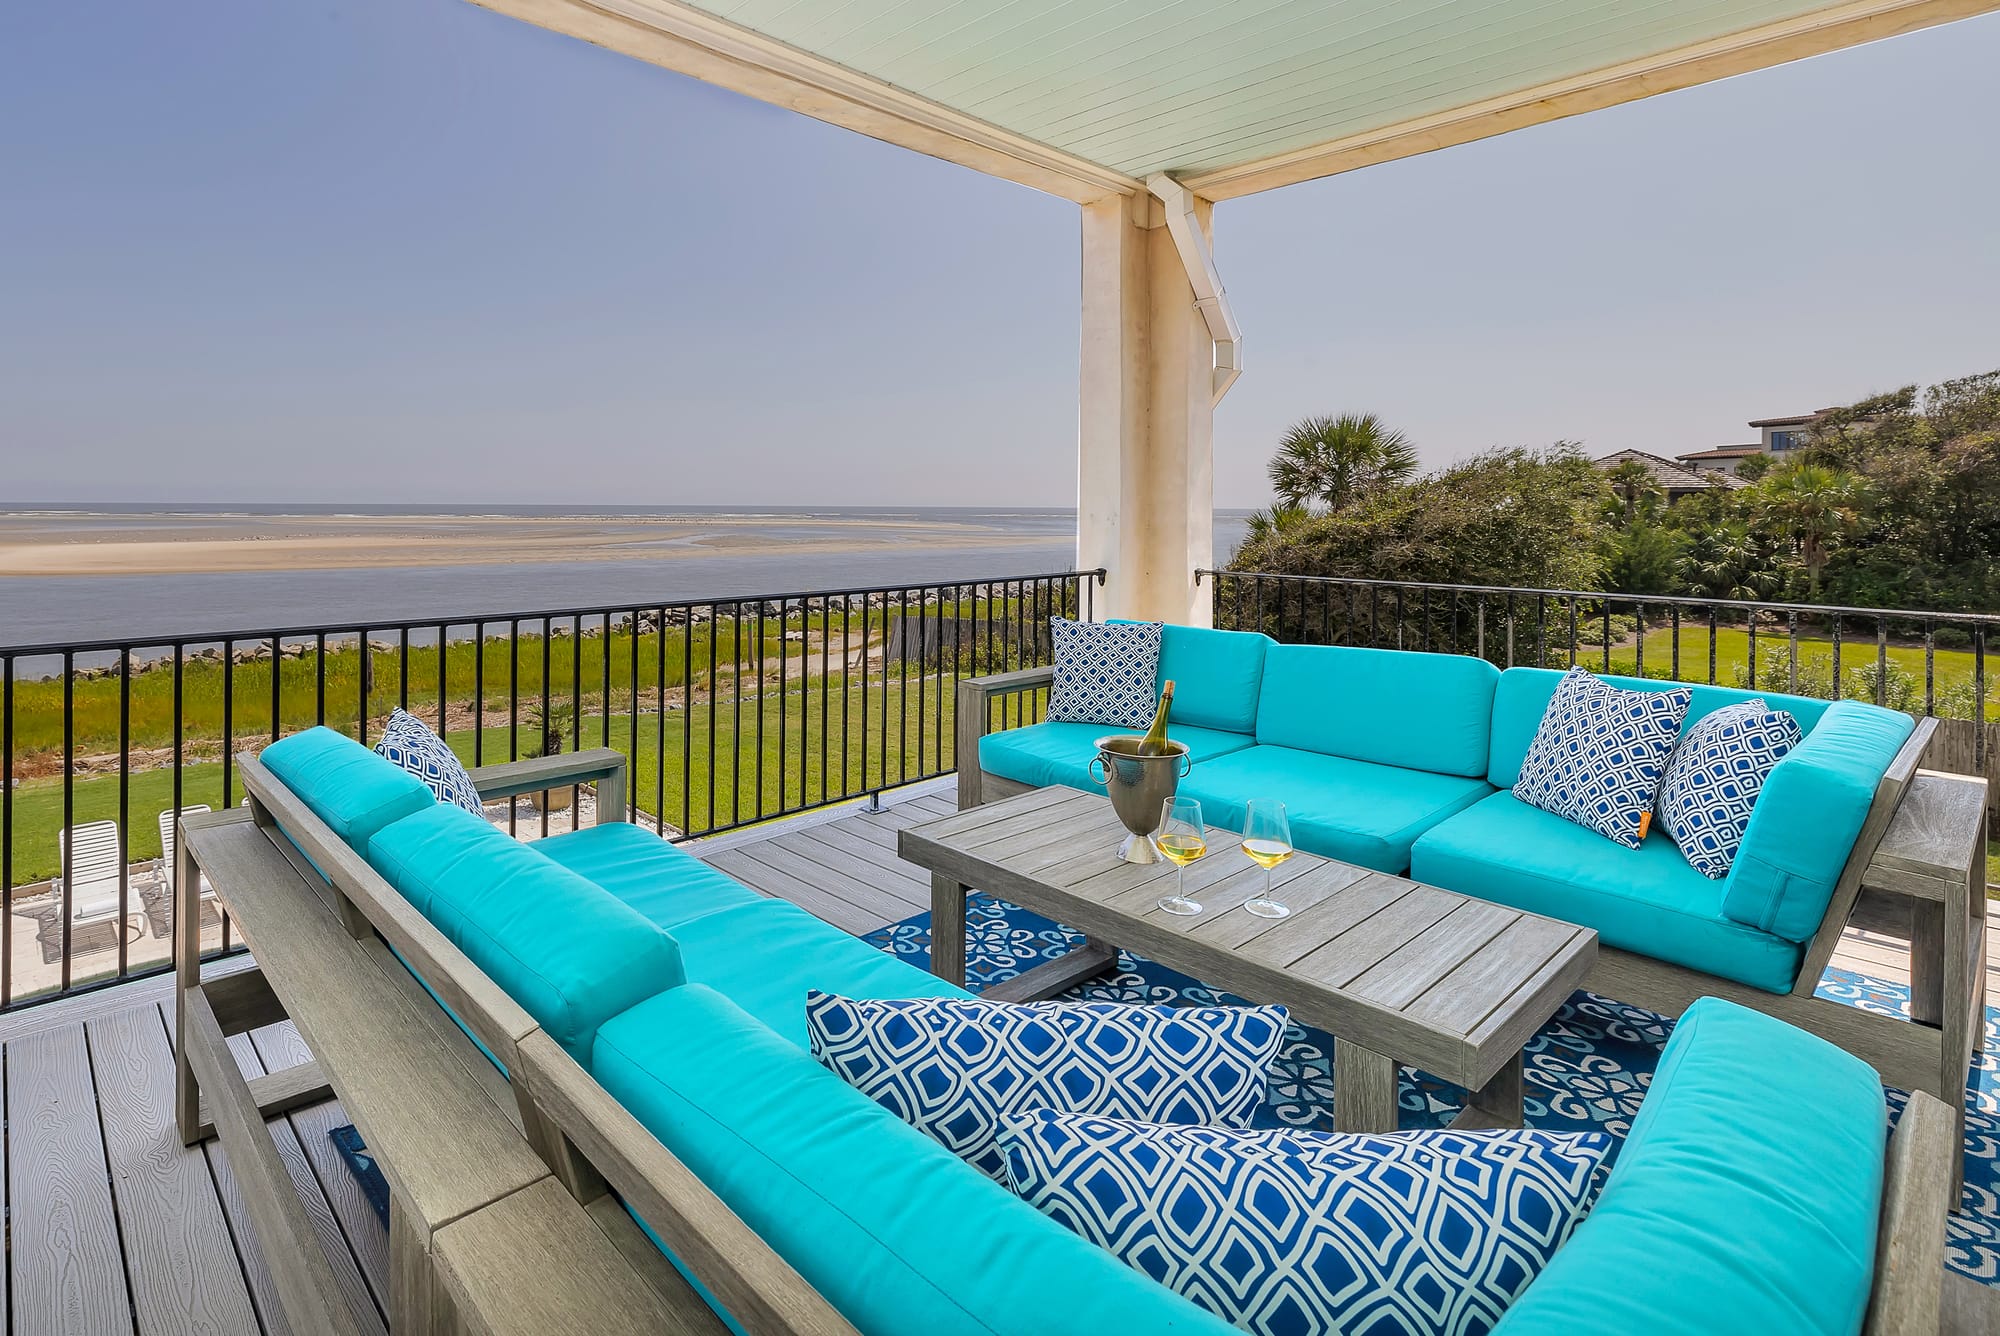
(1267, 838)
(1181, 838)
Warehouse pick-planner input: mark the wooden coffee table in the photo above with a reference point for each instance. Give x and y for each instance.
(1397, 972)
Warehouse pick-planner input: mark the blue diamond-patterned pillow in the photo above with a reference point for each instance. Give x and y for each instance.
(1106, 672)
(409, 742)
(1598, 753)
(953, 1067)
(1285, 1233)
(1714, 777)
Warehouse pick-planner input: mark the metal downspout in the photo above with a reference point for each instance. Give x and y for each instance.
(1209, 298)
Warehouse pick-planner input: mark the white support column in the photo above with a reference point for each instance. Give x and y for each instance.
(1145, 490)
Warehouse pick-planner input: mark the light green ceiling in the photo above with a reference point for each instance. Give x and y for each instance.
(1196, 85)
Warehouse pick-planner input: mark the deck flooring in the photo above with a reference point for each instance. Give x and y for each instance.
(115, 1229)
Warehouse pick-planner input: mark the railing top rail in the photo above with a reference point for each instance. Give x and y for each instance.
(1820, 609)
(54, 648)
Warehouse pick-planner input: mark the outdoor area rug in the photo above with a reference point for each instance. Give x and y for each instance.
(1586, 1071)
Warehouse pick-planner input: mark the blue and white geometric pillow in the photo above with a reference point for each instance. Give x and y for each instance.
(1714, 777)
(1598, 753)
(1106, 672)
(409, 742)
(954, 1067)
(1282, 1233)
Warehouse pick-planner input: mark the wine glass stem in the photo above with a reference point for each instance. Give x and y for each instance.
(1270, 876)
(1180, 881)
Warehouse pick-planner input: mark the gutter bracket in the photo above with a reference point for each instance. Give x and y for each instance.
(1209, 298)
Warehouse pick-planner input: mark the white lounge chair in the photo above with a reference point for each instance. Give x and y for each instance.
(160, 895)
(93, 854)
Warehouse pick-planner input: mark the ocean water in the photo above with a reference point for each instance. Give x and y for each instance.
(37, 610)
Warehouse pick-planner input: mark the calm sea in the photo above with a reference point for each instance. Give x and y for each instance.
(36, 610)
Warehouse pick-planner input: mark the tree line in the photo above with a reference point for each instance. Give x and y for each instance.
(1892, 501)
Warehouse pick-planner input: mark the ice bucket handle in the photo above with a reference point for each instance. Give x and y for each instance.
(1100, 773)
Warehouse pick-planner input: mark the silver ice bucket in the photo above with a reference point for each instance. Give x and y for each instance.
(1139, 787)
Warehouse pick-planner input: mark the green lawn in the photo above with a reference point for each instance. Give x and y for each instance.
(792, 744)
(1953, 681)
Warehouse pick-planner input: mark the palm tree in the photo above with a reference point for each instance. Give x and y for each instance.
(1634, 482)
(1815, 505)
(1725, 563)
(1338, 461)
(1280, 519)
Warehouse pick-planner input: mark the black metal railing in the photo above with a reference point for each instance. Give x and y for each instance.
(1925, 663)
(732, 711)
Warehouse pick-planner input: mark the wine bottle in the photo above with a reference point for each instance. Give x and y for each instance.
(1155, 743)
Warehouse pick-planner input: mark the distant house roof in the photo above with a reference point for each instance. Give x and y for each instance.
(1673, 478)
(1722, 452)
(1798, 421)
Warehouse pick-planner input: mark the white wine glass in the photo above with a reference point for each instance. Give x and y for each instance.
(1181, 839)
(1267, 838)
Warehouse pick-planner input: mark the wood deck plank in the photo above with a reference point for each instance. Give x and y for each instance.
(841, 878)
(68, 1277)
(181, 1263)
(804, 894)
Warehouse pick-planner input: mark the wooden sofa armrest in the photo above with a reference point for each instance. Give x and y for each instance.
(749, 1278)
(1916, 1198)
(602, 766)
(974, 719)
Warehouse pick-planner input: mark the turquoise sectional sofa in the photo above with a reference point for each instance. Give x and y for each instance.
(682, 993)
(1401, 761)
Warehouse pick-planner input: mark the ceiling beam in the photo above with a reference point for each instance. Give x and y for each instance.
(1758, 48)
(688, 41)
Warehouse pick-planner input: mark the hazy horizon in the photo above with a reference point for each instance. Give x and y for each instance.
(411, 247)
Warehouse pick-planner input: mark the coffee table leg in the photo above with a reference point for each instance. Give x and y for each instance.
(1364, 1089)
(948, 929)
(1495, 1104)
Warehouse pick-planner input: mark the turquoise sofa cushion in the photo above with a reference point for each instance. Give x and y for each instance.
(1393, 707)
(1060, 752)
(764, 956)
(1645, 900)
(1728, 1213)
(1522, 696)
(354, 791)
(660, 880)
(1807, 819)
(1217, 676)
(901, 1236)
(1356, 811)
(570, 953)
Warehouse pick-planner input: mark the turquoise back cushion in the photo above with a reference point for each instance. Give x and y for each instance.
(1729, 1213)
(1523, 695)
(1807, 818)
(900, 1235)
(1216, 675)
(570, 953)
(354, 791)
(1393, 707)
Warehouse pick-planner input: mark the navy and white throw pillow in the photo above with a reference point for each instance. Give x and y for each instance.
(1598, 754)
(1714, 777)
(409, 742)
(1106, 672)
(954, 1067)
(1282, 1233)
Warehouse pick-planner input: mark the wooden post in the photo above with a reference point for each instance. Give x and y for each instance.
(1145, 494)
(186, 900)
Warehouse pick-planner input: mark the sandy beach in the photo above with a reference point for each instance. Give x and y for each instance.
(72, 544)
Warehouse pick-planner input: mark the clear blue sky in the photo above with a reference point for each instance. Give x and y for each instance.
(409, 250)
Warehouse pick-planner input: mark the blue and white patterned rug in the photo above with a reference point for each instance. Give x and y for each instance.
(1586, 1071)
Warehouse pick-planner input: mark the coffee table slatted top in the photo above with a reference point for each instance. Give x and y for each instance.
(1438, 980)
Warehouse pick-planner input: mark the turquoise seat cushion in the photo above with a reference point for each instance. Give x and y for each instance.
(660, 880)
(1728, 1213)
(1645, 900)
(1393, 707)
(1807, 818)
(764, 956)
(1522, 696)
(351, 789)
(570, 953)
(901, 1236)
(1217, 676)
(1356, 811)
(1058, 752)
